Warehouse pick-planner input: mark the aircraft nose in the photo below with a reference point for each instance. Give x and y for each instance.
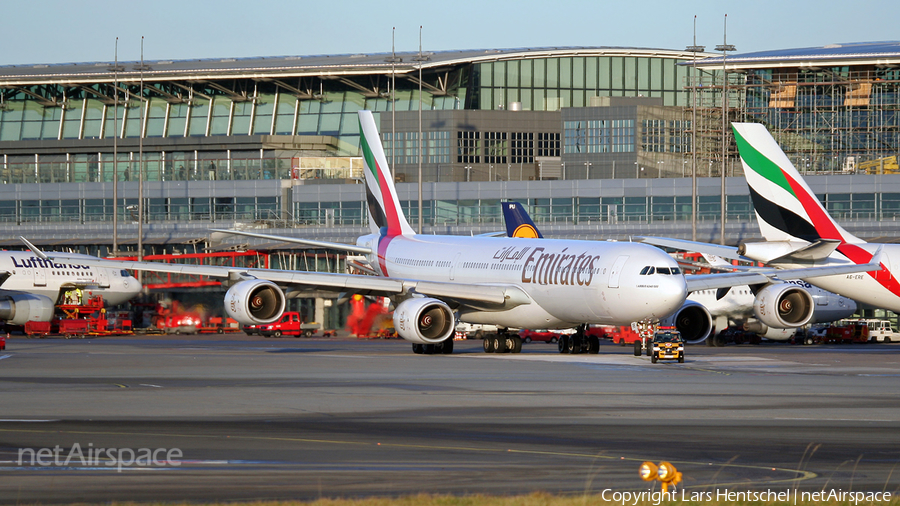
(672, 293)
(134, 285)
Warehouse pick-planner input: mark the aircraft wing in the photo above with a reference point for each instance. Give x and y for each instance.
(481, 295)
(699, 247)
(714, 281)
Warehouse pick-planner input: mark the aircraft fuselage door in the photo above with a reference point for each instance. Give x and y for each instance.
(616, 270)
(103, 277)
(40, 276)
(453, 266)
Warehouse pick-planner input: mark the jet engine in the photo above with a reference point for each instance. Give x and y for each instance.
(254, 302)
(783, 305)
(18, 308)
(424, 320)
(692, 320)
(770, 333)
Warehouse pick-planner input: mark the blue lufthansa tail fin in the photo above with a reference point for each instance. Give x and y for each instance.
(518, 223)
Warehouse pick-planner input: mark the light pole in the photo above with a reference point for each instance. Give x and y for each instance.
(724, 47)
(694, 49)
(393, 60)
(420, 58)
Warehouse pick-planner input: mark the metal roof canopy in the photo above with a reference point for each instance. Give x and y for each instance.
(832, 55)
(261, 68)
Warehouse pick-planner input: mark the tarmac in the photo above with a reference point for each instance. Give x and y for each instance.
(237, 417)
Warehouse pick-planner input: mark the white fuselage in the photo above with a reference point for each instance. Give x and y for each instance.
(568, 282)
(30, 274)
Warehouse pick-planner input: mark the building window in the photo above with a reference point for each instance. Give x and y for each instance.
(468, 147)
(548, 144)
(521, 147)
(495, 147)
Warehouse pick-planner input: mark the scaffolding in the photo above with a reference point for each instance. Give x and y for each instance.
(827, 120)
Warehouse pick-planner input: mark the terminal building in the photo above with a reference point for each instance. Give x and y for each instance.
(598, 142)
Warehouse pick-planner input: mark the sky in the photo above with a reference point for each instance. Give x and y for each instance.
(56, 31)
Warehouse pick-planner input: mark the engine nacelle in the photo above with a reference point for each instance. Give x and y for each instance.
(783, 306)
(18, 308)
(254, 302)
(424, 321)
(692, 320)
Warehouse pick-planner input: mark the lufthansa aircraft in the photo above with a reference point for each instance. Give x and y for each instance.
(537, 283)
(705, 309)
(798, 230)
(31, 286)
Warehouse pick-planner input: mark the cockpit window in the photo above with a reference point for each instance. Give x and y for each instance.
(648, 270)
(676, 270)
(662, 270)
(124, 273)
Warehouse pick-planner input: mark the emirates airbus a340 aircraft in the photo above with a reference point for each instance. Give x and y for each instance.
(509, 282)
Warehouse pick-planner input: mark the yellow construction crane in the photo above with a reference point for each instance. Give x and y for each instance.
(886, 165)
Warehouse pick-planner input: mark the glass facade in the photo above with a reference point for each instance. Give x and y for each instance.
(549, 84)
(577, 210)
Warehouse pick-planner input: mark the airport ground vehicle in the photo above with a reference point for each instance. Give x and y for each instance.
(2, 342)
(476, 330)
(618, 334)
(290, 324)
(543, 335)
(856, 331)
(667, 345)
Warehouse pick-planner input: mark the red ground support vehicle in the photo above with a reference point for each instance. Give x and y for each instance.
(619, 335)
(547, 336)
(73, 327)
(290, 325)
(219, 325)
(3, 341)
(845, 331)
(37, 329)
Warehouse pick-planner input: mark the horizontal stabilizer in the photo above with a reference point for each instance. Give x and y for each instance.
(818, 250)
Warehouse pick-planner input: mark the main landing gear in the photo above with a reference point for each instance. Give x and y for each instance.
(503, 342)
(579, 342)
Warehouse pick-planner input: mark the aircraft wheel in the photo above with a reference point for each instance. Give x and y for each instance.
(447, 346)
(517, 344)
(649, 348)
(563, 344)
(489, 345)
(637, 348)
(593, 345)
(429, 349)
(499, 345)
(574, 344)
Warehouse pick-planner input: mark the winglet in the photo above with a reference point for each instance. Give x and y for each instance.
(878, 257)
(34, 249)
